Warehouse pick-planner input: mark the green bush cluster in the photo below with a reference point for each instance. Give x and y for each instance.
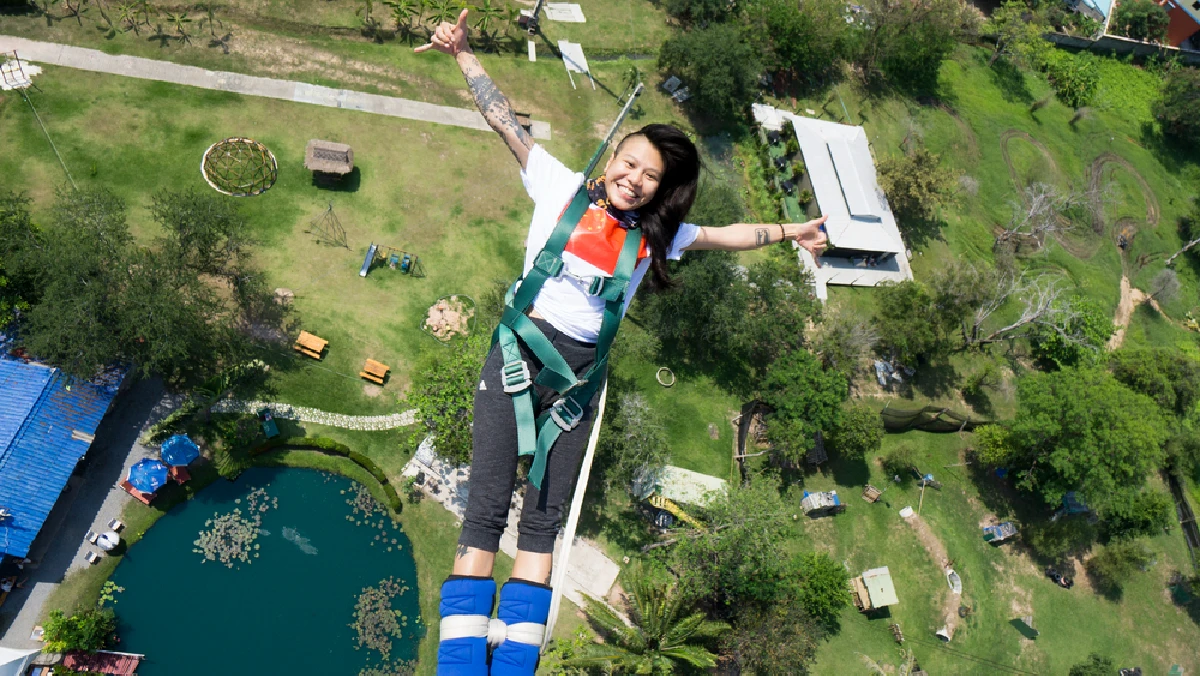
(332, 447)
(1075, 77)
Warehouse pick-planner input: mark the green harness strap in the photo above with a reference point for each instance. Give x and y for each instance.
(536, 436)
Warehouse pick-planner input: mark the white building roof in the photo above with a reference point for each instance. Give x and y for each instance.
(14, 662)
(878, 582)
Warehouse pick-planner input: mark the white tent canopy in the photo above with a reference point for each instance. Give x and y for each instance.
(15, 662)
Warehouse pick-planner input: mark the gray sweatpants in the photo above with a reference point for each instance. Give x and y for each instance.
(494, 454)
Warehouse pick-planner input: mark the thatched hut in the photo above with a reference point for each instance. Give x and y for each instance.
(328, 159)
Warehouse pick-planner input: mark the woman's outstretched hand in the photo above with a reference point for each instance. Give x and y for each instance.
(810, 235)
(449, 38)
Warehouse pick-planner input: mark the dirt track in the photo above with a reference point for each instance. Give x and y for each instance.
(937, 551)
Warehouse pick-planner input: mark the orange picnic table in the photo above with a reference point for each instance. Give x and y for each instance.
(374, 371)
(310, 345)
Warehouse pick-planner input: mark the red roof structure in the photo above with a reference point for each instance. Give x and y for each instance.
(103, 662)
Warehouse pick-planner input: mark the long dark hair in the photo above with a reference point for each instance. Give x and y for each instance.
(660, 218)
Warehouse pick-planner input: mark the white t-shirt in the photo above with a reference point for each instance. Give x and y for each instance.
(564, 301)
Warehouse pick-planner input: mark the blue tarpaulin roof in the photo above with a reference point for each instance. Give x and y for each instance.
(179, 450)
(46, 424)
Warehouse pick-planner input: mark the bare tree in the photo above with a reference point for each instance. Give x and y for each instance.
(1165, 286)
(844, 339)
(1043, 306)
(1194, 242)
(1044, 210)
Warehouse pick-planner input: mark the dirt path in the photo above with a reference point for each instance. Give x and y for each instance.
(937, 551)
(1130, 299)
(1096, 175)
(1012, 172)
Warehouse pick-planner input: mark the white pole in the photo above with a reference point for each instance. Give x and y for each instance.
(564, 551)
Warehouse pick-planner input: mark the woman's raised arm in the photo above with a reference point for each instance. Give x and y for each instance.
(451, 38)
(743, 236)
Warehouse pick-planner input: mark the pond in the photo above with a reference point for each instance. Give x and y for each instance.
(282, 571)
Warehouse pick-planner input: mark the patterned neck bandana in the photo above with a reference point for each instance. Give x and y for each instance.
(599, 196)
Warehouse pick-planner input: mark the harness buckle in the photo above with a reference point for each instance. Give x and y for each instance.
(516, 376)
(566, 413)
(548, 263)
(596, 286)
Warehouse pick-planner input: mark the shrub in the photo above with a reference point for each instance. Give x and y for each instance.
(1075, 77)
(1144, 512)
(332, 447)
(719, 66)
(916, 185)
(1176, 110)
(859, 432)
(88, 630)
(1116, 563)
(1094, 665)
(901, 460)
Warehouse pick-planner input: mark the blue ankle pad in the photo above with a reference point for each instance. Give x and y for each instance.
(466, 603)
(520, 604)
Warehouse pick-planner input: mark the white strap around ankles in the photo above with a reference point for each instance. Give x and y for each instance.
(463, 626)
(496, 631)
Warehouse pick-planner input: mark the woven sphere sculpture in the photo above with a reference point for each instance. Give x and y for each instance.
(240, 167)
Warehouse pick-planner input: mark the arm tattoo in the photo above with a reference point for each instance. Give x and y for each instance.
(495, 107)
(761, 237)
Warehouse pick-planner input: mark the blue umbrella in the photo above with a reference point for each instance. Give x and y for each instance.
(179, 450)
(147, 475)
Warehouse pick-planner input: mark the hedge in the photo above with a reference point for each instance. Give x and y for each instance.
(332, 447)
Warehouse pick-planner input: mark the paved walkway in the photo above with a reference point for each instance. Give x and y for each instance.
(300, 92)
(92, 497)
(373, 423)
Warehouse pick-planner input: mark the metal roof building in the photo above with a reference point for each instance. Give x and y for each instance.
(47, 422)
(865, 244)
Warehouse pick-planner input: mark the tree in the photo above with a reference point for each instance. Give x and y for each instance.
(1176, 110)
(179, 21)
(1141, 20)
(822, 588)
(1094, 665)
(665, 631)
(844, 339)
(781, 307)
(719, 66)
(443, 393)
(916, 186)
(805, 399)
(1019, 30)
(701, 317)
(89, 630)
(1075, 335)
(1116, 563)
(910, 324)
(1167, 375)
(633, 441)
(779, 639)
(718, 203)
(700, 12)
(1075, 77)
(210, 18)
(739, 560)
(1189, 229)
(1043, 211)
(901, 460)
(16, 228)
(1165, 286)
(1080, 429)
(1134, 512)
(804, 40)
(905, 42)
(858, 433)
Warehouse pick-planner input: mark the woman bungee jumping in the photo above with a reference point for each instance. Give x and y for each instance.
(589, 245)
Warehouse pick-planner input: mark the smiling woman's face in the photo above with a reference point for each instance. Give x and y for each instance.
(633, 174)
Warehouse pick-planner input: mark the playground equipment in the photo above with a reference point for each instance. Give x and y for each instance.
(327, 229)
(241, 167)
(268, 422)
(397, 259)
(328, 161)
(661, 502)
(309, 345)
(374, 371)
(822, 504)
(999, 533)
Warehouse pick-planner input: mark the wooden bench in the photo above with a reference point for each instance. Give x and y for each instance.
(310, 345)
(374, 371)
(180, 474)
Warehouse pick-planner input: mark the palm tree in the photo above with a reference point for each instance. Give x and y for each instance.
(127, 17)
(664, 632)
(908, 662)
(405, 12)
(179, 22)
(488, 15)
(442, 11)
(210, 18)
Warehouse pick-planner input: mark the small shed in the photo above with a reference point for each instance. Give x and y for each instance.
(819, 504)
(326, 158)
(874, 589)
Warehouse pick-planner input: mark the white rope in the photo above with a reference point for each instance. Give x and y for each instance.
(564, 552)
